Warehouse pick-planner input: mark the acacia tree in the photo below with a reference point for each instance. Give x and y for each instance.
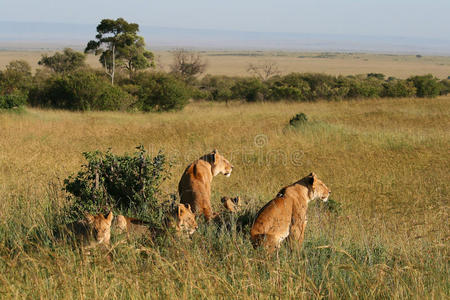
(64, 62)
(117, 43)
(264, 70)
(187, 64)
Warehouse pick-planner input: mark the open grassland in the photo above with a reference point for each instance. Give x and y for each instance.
(387, 162)
(235, 63)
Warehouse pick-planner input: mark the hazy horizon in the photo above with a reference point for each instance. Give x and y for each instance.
(324, 25)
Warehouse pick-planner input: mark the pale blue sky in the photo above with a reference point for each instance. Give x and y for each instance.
(407, 18)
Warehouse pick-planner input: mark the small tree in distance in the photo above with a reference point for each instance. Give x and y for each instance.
(264, 70)
(117, 42)
(187, 65)
(64, 62)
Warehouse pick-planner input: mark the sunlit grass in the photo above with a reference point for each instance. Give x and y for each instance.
(387, 162)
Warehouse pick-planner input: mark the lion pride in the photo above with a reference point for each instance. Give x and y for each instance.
(195, 184)
(285, 215)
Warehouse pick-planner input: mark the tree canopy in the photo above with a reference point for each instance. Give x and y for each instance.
(118, 44)
(64, 62)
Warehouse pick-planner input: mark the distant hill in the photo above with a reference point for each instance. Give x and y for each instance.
(16, 35)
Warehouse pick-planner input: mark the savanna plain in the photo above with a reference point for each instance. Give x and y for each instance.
(387, 162)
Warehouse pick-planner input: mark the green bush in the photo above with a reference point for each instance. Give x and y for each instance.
(126, 184)
(359, 87)
(445, 87)
(298, 120)
(80, 90)
(426, 85)
(161, 92)
(250, 89)
(398, 88)
(290, 87)
(13, 100)
(16, 77)
(219, 88)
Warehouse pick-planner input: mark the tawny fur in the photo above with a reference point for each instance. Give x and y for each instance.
(285, 215)
(182, 220)
(231, 204)
(93, 230)
(194, 187)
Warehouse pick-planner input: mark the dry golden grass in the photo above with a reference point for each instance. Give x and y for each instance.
(387, 162)
(235, 63)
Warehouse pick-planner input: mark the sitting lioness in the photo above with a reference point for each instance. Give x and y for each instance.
(182, 220)
(195, 184)
(286, 214)
(93, 230)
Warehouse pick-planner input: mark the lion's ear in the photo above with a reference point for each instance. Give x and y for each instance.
(311, 178)
(214, 155)
(109, 217)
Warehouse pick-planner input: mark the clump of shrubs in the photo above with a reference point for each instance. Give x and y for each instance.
(14, 100)
(426, 85)
(161, 92)
(128, 184)
(67, 83)
(298, 120)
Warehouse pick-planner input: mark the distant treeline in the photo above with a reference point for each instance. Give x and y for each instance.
(79, 87)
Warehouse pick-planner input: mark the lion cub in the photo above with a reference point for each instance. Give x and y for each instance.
(182, 220)
(195, 184)
(285, 215)
(93, 230)
(231, 204)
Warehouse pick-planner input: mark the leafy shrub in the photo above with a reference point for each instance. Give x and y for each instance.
(378, 76)
(291, 87)
(445, 87)
(250, 89)
(359, 87)
(80, 90)
(426, 85)
(218, 87)
(17, 76)
(13, 100)
(127, 184)
(298, 120)
(398, 88)
(161, 92)
(64, 62)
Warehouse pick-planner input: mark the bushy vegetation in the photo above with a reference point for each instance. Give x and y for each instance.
(127, 184)
(79, 90)
(67, 83)
(13, 100)
(298, 120)
(161, 92)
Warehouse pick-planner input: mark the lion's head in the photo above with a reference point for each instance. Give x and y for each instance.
(318, 189)
(219, 164)
(186, 219)
(100, 227)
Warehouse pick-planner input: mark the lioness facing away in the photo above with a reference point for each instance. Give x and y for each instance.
(286, 214)
(195, 184)
(93, 230)
(182, 220)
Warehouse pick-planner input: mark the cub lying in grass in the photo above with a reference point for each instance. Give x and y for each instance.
(286, 214)
(93, 230)
(195, 184)
(182, 220)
